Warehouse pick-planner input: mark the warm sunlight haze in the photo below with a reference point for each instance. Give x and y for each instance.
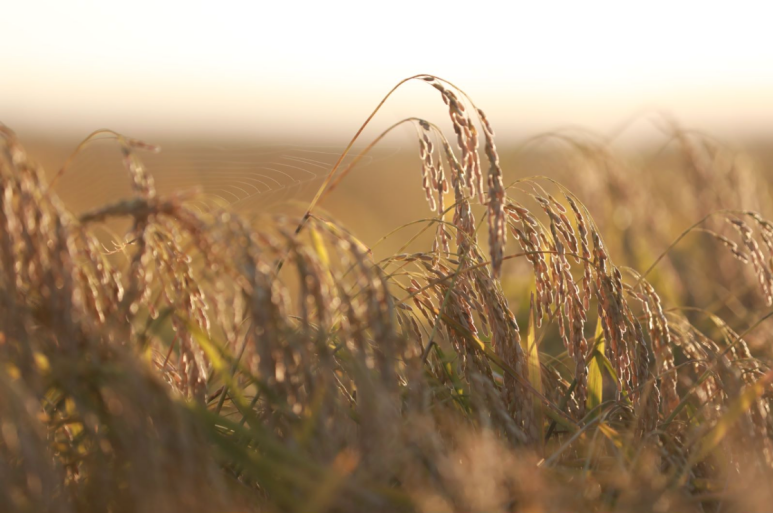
(282, 69)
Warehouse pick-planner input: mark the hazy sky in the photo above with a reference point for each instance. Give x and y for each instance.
(280, 68)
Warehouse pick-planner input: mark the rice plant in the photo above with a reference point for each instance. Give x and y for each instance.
(211, 361)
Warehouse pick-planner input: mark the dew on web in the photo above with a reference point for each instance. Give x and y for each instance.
(246, 177)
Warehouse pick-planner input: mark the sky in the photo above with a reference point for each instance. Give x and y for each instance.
(276, 70)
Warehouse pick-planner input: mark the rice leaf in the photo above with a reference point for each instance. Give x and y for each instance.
(319, 246)
(595, 379)
(529, 346)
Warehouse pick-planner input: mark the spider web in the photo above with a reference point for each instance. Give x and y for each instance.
(246, 177)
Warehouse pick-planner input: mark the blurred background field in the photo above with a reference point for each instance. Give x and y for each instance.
(261, 178)
(647, 184)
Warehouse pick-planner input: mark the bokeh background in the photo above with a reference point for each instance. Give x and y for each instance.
(253, 101)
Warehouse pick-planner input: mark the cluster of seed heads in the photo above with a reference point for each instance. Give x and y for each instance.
(336, 361)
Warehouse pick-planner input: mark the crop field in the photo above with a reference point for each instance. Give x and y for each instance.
(568, 323)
